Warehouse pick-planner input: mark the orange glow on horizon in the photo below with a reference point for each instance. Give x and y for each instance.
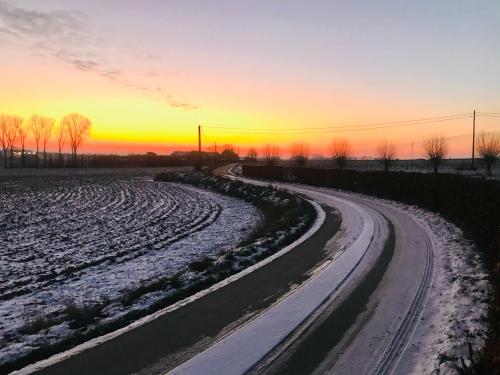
(127, 120)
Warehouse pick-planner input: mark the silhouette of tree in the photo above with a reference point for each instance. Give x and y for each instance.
(488, 146)
(22, 131)
(386, 153)
(35, 126)
(271, 154)
(12, 134)
(62, 133)
(340, 151)
(436, 149)
(78, 128)
(300, 153)
(4, 119)
(47, 126)
(252, 154)
(41, 128)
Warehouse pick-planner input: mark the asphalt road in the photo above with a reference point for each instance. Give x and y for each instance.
(158, 346)
(362, 327)
(366, 328)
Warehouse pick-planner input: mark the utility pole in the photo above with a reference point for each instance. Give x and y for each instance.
(198, 166)
(411, 155)
(473, 137)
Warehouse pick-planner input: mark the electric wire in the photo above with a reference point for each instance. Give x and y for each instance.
(453, 116)
(250, 131)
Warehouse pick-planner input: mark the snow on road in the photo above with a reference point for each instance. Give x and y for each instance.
(93, 237)
(261, 335)
(455, 313)
(452, 313)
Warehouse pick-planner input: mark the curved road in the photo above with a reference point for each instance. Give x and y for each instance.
(175, 335)
(356, 316)
(390, 297)
(361, 293)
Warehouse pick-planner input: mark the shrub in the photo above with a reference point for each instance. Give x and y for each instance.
(34, 320)
(130, 295)
(176, 282)
(201, 265)
(83, 314)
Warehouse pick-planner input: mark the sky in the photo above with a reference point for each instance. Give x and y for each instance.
(147, 73)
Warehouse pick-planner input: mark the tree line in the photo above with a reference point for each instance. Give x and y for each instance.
(72, 129)
(340, 150)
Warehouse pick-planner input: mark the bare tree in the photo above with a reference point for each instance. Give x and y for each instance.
(252, 154)
(12, 134)
(271, 154)
(78, 128)
(62, 133)
(35, 126)
(4, 119)
(386, 152)
(41, 127)
(340, 151)
(436, 149)
(488, 146)
(47, 126)
(300, 153)
(22, 131)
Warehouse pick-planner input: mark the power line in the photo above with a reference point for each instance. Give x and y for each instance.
(488, 115)
(451, 117)
(335, 129)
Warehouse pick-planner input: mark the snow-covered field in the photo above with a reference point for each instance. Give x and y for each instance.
(74, 240)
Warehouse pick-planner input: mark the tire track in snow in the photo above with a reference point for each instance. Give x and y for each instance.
(400, 341)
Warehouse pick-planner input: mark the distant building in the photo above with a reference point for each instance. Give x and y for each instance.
(18, 152)
(18, 159)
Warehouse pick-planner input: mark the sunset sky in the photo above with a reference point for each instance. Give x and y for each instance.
(148, 72)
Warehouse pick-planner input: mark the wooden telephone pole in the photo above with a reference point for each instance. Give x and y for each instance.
(473, 137)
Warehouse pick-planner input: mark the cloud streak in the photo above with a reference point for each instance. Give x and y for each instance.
(63, 35)
(181, 105)
(54, 26)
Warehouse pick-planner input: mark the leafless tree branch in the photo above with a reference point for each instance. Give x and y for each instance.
(386, 152)
(300, 153)
(271, 154)
(436, 149)
(78, 128)
(488, 146)
(340, 151)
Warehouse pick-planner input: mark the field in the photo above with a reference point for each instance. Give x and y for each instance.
(75, 244)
